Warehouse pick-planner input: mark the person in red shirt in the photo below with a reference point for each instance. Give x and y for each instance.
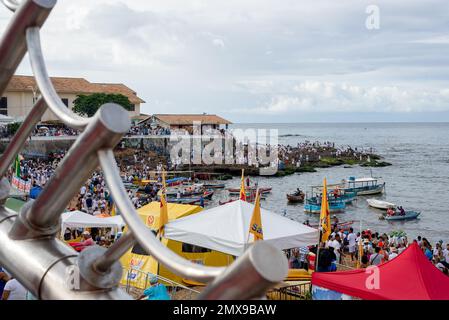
(88, 241)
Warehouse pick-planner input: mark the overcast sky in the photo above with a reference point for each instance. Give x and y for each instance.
(260, 60)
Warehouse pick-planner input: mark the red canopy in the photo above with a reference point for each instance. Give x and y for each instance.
(409, 276)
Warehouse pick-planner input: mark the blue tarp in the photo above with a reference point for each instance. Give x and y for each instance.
(176, 179)
(34, 192)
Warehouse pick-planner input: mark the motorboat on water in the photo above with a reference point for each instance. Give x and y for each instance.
(334, 207)
(363, 186)
(379, 204)
(262, 190)
(296, 197)
(409, 215)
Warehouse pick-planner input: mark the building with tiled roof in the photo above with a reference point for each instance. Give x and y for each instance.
(187, 121)
(22, 91)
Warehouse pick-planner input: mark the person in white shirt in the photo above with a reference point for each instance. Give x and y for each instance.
(14, 290)
(352, 243)
(337, 247)
(393, 253)
(446, 253)
(83, 190)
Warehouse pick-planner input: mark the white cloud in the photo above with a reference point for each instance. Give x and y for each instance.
(318, 96)
(218, 43)
(275, 57)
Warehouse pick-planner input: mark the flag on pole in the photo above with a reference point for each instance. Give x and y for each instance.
(242, 187)
(255, 225)
(325, 219)
(17, 165)
(163, 215)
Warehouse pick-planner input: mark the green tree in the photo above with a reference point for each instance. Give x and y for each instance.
(13, 127)
(87, 105)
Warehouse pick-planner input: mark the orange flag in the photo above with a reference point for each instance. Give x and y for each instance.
(325, 219)
(242, 187)
(255, 225)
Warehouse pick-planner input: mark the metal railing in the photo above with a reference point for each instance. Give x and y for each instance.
(28, 247)
(137, 281)
(299, 291)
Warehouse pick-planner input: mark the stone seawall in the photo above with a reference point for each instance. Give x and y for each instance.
(41, 146)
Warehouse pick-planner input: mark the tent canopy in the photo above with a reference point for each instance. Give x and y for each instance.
(5, 119)
(79, 219)
(225, 229)
(150, 212)
(409, 276)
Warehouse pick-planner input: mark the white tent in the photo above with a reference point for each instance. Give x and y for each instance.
(79, 219)
(5, 119)
(225, 229)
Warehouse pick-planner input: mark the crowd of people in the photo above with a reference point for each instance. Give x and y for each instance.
(309, 151)
(146, 130)
(344, 247)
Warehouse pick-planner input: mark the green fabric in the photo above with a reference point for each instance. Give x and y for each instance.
(17, 166)
(14, 204)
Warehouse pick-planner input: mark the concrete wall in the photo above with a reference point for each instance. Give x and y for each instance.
(44, 146)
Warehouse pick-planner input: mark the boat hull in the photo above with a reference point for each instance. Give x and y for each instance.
(382, 205)
(333, 208)
(365, 191)
(295, 199)
(409, 215)
(237, 191)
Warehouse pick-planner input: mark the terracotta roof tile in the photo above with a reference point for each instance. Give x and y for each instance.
(188, 119)
(74, 85)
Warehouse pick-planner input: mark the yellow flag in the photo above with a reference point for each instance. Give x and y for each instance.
(113, 210)
(242, 187)
(325, 219)
(255, 225)
(163, 215)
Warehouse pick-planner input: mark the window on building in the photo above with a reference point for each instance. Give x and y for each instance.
(133, 107)
(190, 248)
(137, 249)
(66, 102)
(4, 106)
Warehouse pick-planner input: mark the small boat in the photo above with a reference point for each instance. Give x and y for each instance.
(379, 204)
(214, 185)
(336, 207)
(347, 197)
(175, 181)
(206, 195)
(409, 215)
(295, 198)
(247, 189)
(227, 201)
(363, 186)
(341, 225)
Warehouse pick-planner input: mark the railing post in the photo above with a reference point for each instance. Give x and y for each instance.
(106, 129)
(32, 13)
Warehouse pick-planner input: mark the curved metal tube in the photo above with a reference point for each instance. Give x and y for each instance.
(22, 135)
(143, 234)
(45, 85)
(11, 4)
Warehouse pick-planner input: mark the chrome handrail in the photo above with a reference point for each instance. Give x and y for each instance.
(11, 4)
(45, 85)
(38, 222)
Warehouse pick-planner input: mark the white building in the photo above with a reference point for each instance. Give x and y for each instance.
(22, 92)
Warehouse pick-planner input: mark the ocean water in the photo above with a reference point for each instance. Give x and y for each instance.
(418, 178)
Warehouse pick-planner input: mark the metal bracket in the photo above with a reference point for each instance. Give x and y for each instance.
(104, 280)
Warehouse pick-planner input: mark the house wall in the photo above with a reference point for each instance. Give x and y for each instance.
(20, 103)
